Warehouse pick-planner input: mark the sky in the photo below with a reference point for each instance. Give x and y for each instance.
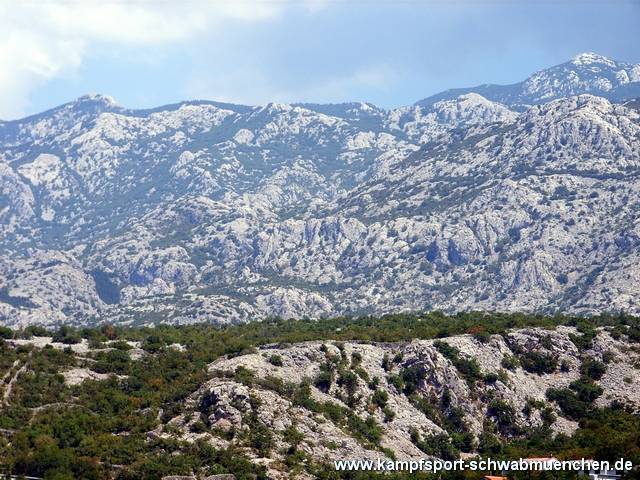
(147, 53)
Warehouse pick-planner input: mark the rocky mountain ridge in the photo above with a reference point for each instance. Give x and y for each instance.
(585, 73)
(225, 213)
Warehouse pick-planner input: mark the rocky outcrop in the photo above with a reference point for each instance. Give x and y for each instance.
(407, 391)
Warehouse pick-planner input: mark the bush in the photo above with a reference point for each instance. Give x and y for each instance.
(489, 444)
(491, 378)
(412, 377)
(468, 368)
(153, 343)
(275, 360)
(380, 398)
(396, 381)
(367, 429)
(504, 415)
(6, 333)
(260, 438)
(292, 435)
(608, 357)
(462, 441)
(548, 416)
(593, 368)
(437, 445)
(362, 373)
(389, 414)
(349, 381)
(386, 363)
(113, 361)
(538, 362)
(586, 389)
(356, 359)
(244, 375)
(570, 405)
(446, 350)
(66, 335)
(482, 336)
(325, 378)
(585, 340)
(510, 362)
(35, 331)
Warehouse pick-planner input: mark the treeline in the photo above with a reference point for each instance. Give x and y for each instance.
(233, 339)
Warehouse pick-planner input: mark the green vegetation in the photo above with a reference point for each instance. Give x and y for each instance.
(468, 368)
(538, 362)
(593, 368)
(54, 430)
(510, 362)
(275, 360)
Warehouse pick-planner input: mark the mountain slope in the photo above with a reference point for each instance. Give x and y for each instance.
(585, 73)
(203, 211)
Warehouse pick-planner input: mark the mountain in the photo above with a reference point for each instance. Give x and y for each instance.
(585, 73)
(203, 211)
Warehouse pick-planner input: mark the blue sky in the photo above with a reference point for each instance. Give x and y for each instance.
(147, 53)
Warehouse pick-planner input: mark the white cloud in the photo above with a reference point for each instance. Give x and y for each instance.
(40, 40)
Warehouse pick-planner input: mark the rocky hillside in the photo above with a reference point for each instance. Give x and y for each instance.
(293, 408)
(208, 211)
(411, 394)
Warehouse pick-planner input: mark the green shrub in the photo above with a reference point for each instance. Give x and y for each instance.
(389, 414)
(412, 377)
(292, 435)
(386, 363)
(482, 336)
(368, 429)
(608, 357)
(585, 340)
(6, 333)
(324, 380)
(380, 398)
(570, 405)
(510, 362)
(593, 368)
(349, 381)
(468, 368)
(489, 444)
(504, 415)
(66, 335)
(538, 362)
(244, 375)
(275, 360)
(491, 378)
(356, 359)
(438, 445)
(586, 389)
(396, 381)
(260, 438)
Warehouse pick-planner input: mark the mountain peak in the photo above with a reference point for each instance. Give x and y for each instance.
(589, 58)
(97, 98)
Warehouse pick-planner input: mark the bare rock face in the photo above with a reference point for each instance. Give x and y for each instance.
(227, 402)
(523, 199)
(373, 400)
